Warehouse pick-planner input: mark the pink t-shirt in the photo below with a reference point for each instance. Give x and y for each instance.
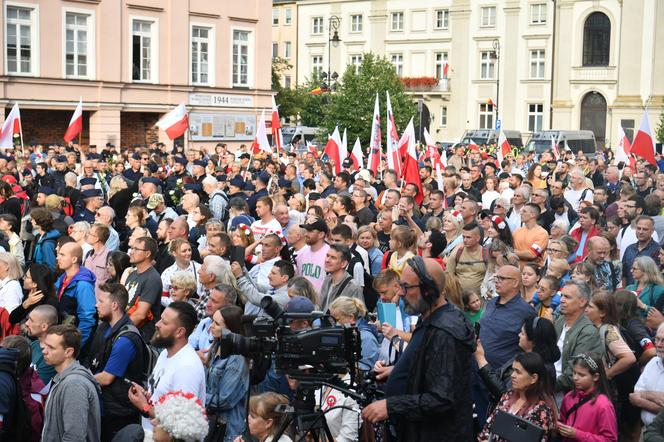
(311, 265)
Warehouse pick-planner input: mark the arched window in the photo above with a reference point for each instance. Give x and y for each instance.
(596, 40)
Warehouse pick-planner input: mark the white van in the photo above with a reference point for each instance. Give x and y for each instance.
(489, 136)
(577, 140)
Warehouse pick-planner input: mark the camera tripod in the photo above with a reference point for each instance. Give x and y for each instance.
(304, 415)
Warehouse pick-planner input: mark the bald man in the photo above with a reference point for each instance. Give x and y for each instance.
(607, 275)
(427, 409)
(76, 290)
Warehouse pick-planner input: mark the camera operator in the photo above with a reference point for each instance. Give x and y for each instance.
(428, 392)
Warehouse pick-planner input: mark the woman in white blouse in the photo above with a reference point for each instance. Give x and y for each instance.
(180, 249)
(11, 293)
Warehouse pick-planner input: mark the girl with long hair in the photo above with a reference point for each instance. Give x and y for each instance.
(530, 275)
(39, 288)
(402, 243)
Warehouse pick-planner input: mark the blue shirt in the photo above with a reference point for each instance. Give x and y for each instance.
(122, 354)
(201, 338)
(500, 327)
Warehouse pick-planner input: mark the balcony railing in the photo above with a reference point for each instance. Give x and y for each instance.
(594, 73)
(426, 84)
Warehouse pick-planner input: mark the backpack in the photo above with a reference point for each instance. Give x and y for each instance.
(485, 256)
(369, 292)
(20, 429)
(151, 354)
(625, 381)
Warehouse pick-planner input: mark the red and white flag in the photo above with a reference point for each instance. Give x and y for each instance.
(436, 158)
(503, 147)
(261, 142)
(554, 148)
(446, 69)
(356, 155)
(374, 143)
(644, 143)
(624, 147)
(472, 146)
(411, 168)
(76, 123)
(333, 150)
(11, 127)
(344, 144)
(175, 123)
(311, 148)
(392, 140)
(277, 137)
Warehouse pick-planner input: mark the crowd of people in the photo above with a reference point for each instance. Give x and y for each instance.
(529, 289)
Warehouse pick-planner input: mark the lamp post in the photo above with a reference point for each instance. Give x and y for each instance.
(332, 39)
(496, 56)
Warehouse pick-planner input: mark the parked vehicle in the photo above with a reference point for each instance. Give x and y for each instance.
(296, 133)
(490, 136)
(576, 140)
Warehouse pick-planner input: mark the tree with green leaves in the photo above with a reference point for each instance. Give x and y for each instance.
(660, 129)
(351, 107)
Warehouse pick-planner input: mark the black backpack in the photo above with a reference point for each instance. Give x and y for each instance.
(369, 292)
(151, 354)
(20, 427)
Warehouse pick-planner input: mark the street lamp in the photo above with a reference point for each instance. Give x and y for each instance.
(332, 39)
(495, 55)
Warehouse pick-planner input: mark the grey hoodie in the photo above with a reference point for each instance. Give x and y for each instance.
(72, 409)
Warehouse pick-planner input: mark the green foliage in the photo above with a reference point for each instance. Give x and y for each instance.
(351, 107)
(660, 128)
(296, 101)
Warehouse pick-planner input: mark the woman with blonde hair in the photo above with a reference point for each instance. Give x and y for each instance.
(452, 225)
(453, 290)
(296, 207)
(301, 286)
(402, 243)
(264, 420)
(116, 184)
(648, 283)
(180, 250)
(353, 312)
(367, 238)
(11, 293)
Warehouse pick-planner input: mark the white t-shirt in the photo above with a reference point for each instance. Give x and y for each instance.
(260, 230)
(11, 294)
(183, 371)
(652, 379)
(574, 197)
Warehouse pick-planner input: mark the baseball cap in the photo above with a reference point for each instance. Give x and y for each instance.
(300, 304)
(155, 200)
(347, 162)
(319, 225)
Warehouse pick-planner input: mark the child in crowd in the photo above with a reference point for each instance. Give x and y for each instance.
(473, 308)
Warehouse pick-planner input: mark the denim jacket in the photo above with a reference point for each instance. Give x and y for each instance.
(226, 385)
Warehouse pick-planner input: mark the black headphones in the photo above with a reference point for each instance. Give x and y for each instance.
(428, 287)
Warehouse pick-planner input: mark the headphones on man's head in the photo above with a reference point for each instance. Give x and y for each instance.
(428, 286)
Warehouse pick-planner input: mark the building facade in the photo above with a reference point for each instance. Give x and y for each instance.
(532, 64)
(284, 38)
(130, 61)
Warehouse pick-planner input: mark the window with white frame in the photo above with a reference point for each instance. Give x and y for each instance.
(288, 18)
(535, 117)
(443, 116)
(488, 17)
(287, 81)
(487, 66)
(241, 54)
(486, 116)
(201, 54)
(442, 18)
(144, 50)
(275, 16)
(356, 61)
(397, 61)
(538, 14)
(287, 49)
(440, 63)
(77, 59)
(21, 40)
(317, 25)
(317, 65)
(275, 49)
(537, 63)
(356, 23)
(396, 22)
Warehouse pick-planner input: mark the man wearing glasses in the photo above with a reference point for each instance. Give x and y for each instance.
(144, 287)
(417, 403)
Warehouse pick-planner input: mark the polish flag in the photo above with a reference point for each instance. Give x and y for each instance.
(356, 155)
(277, 137)
(436, 158)
(392, 140)
(344, 144)
(175, 123)
(644, 144)
(446, 69)
(261, 142)
(554, 148)
(311, 148)
(472, 146)
(374, 143)
(503, 147)
(333, 150)
(490, 102)
(76, 122)
(624, 147)
(411, 169)
(11, 127)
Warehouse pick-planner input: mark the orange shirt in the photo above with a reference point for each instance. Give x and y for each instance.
(533, 240)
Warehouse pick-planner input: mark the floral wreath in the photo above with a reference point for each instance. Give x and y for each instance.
(281, 237)
(499, 222)
(182, 415)
(243, 228)
(456, 214)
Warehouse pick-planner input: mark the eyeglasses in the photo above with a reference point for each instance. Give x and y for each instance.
(405, 287)
(497, 206)
(501, 278)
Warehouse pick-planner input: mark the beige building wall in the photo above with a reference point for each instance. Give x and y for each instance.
(284, 35)
(110, 93)
(634, 72)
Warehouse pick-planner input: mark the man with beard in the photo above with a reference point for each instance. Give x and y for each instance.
(311, 258)
(117, 354)
(417, 403)
(178, 367)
